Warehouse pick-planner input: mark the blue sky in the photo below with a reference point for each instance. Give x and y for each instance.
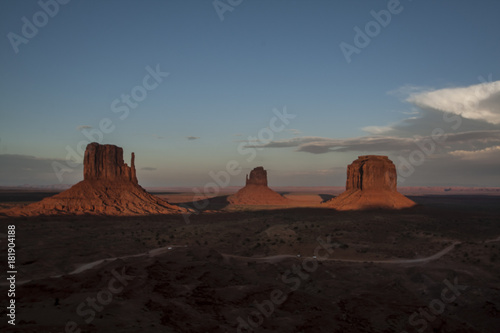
(225, 78)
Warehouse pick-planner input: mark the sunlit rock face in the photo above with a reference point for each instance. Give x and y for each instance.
(105, 162)
(371, 183)
(258, 176)
(109, 187)
(256, 191)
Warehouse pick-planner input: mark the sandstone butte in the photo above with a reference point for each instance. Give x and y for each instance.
(256, 191)
(109, 187)
(371, 183)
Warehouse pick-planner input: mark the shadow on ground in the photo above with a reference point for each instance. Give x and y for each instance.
(326, 197)
(215, 203)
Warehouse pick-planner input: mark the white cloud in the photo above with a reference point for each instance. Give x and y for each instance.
(413, 111)
(407, 90)
(482, 154)
(380, 143)
(377, 129)
(478, 102)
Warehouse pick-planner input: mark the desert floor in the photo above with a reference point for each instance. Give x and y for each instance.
(432, 268)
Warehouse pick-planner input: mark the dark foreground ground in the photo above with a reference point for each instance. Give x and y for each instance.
(239, 271)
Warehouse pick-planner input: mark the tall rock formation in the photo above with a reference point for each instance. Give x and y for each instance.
(371, 183)
(371, 172)
(105, 162)
(109, 187)
(256, 191)
(258, 176)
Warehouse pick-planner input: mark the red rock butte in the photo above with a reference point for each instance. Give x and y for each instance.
(105, 162)
(109, 187)
(256, 191)
(371, 183)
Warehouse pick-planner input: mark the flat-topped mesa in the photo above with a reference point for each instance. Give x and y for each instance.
(258, 176)
(371, 183)
(105, 162)
(371, 172)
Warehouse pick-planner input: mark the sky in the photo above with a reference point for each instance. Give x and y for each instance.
(195, 87)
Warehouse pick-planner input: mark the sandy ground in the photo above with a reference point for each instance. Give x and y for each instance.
(221, 270)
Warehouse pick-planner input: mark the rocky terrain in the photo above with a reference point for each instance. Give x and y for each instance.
(255, 271)
(371, 183)
(109, 187)
(256, 191)
(106, 256)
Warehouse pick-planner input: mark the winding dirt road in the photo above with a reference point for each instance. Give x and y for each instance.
(276, 258)
(90, 265)
(269, 259)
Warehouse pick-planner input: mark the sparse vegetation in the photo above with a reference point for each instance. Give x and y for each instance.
(284, 232)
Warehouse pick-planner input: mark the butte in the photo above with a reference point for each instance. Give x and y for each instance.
(371, 183)
(256, 191)
(109, 187)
